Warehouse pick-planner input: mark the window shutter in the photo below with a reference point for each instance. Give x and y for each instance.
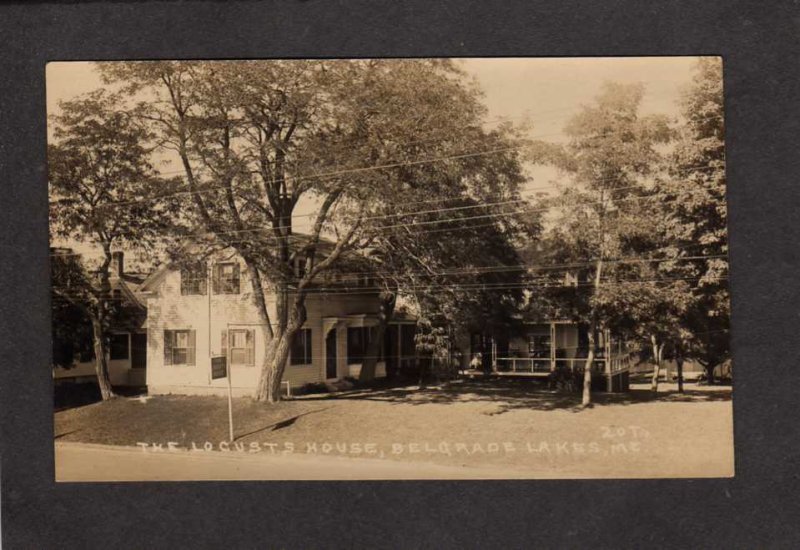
(224, 347)
(307, 333)
(251, 347)
(215, 275)
(167, 347)
(191, 353)
(235, 283)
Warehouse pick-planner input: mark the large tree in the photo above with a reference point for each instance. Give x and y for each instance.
(695, 215)
(99, 175)
(254, 139)
(454, 260)
(611, 155)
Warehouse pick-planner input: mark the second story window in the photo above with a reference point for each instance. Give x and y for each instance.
(193, 279)
(226, 278)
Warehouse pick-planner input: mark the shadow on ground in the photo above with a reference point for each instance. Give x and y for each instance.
(512, 394)
(69, 395)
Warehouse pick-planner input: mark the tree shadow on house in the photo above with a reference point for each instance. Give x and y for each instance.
(516, 394)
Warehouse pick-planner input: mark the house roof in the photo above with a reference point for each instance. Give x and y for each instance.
(349, 261)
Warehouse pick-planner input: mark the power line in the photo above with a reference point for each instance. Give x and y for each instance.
(414, 225)
(529, 210)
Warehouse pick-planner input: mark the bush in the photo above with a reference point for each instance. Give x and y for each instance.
(312, 387)
(565, 380)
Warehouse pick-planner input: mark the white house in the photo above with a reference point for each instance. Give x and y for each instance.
(190, 321)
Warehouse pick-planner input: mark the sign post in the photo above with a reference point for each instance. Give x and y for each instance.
(220, 369)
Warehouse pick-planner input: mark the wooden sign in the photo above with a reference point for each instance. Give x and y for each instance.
(219, 367)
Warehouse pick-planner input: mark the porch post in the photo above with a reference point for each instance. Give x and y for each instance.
(552, 346)
(399, 346)
(608, 350)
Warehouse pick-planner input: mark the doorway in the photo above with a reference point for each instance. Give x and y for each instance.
(330, 354)
(138, 350)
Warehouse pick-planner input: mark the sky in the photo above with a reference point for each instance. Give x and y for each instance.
(542, 91)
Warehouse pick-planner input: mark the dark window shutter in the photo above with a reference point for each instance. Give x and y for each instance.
(167, 347)
(191, 352)
(235, 284)
(215, 278)
(308, 345)
(251, 347)
(184, 275)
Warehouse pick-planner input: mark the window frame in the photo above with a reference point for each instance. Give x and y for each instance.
(112, 348)
(367, 334)
(196, 274)
(170, 338)
(225, 286)
(248, 350)
(307, 356)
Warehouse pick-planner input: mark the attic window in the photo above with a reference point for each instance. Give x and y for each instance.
(193, 279)
(226, 278)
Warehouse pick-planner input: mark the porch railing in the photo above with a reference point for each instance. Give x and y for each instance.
(534, 365)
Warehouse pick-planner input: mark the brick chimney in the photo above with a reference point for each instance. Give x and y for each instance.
(118, 263)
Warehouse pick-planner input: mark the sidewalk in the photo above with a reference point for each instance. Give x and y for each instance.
(90, 462)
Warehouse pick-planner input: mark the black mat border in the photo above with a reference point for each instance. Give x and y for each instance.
(758, 508)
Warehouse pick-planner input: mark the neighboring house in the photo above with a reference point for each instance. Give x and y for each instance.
(189, 321)
(127, 349)
(537, 348)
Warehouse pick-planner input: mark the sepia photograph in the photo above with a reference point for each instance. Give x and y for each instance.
(388, 269)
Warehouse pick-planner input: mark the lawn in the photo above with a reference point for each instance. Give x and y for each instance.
(513, 426)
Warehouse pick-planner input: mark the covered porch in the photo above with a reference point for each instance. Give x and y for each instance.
(346, 340)
(541, 348)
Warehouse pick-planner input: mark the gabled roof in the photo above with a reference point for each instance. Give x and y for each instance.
(349, 261)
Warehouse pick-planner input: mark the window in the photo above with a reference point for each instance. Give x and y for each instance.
(179, 347)
(242, 346)
(358, 339)
(301, 348)
(226, 278)
(119, 346)
(539, 345)
(193, 279)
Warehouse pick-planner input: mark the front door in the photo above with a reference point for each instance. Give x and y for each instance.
(138, 350)
(330, 354)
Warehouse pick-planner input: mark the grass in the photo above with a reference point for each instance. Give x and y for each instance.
(512, 425)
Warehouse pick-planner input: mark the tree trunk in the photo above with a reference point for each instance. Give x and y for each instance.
(586, 398)
(269, 387)
(100, 361)
(279, 358)
(656, 364)
(370, 361)
(679, 365)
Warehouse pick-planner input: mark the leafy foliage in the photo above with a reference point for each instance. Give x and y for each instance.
(355, 138)
(101, 183)
(696, 216)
